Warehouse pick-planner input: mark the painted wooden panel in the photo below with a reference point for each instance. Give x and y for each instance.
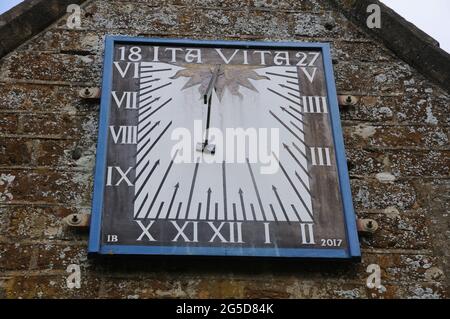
(220, 148)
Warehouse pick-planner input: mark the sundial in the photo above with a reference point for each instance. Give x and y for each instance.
(218, 148)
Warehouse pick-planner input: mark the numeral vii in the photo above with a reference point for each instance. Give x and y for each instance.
(127, 98)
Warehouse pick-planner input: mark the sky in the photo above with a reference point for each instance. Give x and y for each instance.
(5, 5)
(432, 16)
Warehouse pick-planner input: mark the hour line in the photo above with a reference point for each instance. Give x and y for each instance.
(256, 190)
(147, 133)
(194, 177)
(179, 210)
(158, 70)
(293, 186)
(208, 202)
(216, 212)
(294, 95)
(296, 212)
(280, 203)
(155, 89)
(273, 213)
(146, 179)
(154, 143)
(290, 113)
(297, 127)
(241, 197)
(159, 210)
(285, 97)
(224, 190)
(253, 211)
(136, 215)
(295, 159)
(287, 127)
(162, 183)
(299, 150)
(288, 87)
(143, 111)
(298, 111)
(303, 183)
(199, 210)
(148, 105)
(283, 75)
(175, 191)
(142, 171)
(157, 109)
(147, 83)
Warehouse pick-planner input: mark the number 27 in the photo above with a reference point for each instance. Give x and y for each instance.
(304, 56)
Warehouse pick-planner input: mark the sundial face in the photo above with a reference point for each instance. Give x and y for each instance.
(220, 149)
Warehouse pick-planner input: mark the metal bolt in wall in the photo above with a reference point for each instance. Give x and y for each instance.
(347, 100)
(89, 93)
(77, 220)
(367, 226)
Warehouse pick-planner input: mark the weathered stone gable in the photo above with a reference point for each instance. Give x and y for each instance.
(48, 134)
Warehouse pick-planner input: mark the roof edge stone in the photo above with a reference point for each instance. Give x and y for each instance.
(27, 19)
(403, 38)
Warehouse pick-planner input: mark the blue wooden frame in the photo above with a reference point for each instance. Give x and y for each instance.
(95, 247)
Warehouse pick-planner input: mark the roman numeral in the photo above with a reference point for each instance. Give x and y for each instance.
(320, 156)
(126, 134)
(310, 75)
(127, 98)
(315, 104)
(145, 230)
(222, 56)
(129, 66)
(123, 176)
(181, 231)
(232, 236)
(267, 233)
(307, 234)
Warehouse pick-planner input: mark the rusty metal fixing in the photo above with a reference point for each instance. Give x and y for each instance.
(92, 93)
(368, 226)
(78, 220)
(347, 100)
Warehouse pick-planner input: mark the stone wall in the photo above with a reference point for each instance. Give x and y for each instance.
(396, 138)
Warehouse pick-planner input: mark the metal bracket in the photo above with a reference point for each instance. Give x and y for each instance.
(347, 100)
(368, 226)
(78, 220)
(206, 148)
(92, 93)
